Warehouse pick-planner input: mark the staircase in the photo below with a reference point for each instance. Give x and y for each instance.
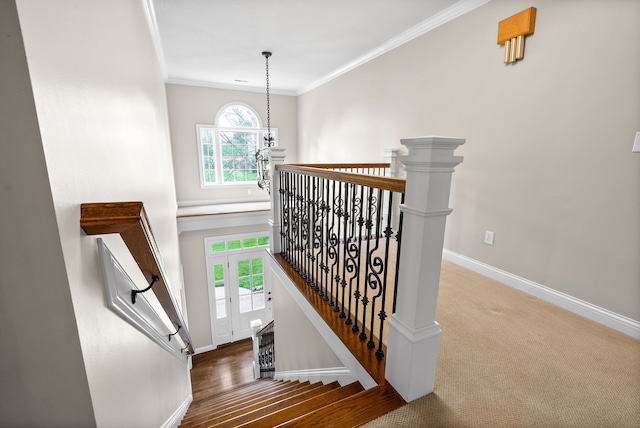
(269, 403)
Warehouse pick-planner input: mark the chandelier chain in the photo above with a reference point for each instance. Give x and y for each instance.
(269, 139)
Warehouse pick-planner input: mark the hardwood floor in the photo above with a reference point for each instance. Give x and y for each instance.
(222, 369)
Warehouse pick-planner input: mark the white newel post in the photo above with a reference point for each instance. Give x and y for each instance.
(276, 157)
(414, 334)
(391, 157)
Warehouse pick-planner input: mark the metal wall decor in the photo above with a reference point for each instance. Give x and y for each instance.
(511, 33)
(262, 155)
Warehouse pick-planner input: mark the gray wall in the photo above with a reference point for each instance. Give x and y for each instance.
(41, 363)
(548, 164)
(99, 132)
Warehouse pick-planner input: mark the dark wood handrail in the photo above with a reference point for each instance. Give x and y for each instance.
(130, 221)
(384, 183)
(270, 324)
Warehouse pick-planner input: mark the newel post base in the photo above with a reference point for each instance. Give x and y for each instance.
(276, 157)
(411, 358)
(414, 334)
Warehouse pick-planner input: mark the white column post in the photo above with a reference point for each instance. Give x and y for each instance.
(414, 335)
(391, 157)
(276, 157)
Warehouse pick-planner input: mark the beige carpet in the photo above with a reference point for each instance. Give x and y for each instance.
(510, 360)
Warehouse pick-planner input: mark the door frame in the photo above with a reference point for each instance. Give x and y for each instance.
(262, 243)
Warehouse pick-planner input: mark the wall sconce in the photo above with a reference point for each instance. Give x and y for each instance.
(511, 33)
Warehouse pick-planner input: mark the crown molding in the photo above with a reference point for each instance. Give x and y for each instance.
(229, 86)
(150, 14)
(445, 16)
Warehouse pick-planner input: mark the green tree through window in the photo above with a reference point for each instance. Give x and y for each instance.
(227, 150)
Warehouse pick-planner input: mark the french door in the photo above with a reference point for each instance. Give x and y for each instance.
(239, 292)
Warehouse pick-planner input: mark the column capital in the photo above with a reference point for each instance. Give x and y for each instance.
(431, 154)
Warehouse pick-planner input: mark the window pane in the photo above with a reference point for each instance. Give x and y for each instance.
(238, 155)
(244, 285)
(263, 240)
(249, 243)
(258, 282)
(218, 272)
(221, 307)
(216, 247)
(237, 116)
(258, 297)
(234, 245)
(244, 269)
(208, 155)
(256, 266)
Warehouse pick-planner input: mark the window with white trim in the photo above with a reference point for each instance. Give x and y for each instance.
(227, 149)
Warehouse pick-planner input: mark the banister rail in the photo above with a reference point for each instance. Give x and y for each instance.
(385, 183)
(130, 221)
(341, 232)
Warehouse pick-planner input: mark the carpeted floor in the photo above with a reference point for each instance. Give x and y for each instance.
(511, 360)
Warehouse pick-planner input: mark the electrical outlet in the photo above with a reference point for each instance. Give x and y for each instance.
(488, 237)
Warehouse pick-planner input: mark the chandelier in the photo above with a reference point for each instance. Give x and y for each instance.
(262, 155)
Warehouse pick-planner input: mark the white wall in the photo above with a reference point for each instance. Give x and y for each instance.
(191, 105)
(42, 373)
(299, 346)
(548, 164)
(101, 105)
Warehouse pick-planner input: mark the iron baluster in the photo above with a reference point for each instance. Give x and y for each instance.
(398, 242)
(377, 265)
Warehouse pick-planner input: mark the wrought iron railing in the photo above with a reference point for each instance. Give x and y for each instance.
(266, 351)
(341, 232)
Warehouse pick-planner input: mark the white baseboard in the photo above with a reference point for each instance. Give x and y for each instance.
(341, 374)
(177, 416)
(592, 312)
(204, 349)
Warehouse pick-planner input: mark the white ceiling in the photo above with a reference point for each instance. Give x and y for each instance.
(219, 42)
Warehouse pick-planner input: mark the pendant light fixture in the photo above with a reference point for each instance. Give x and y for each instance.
(262, 155)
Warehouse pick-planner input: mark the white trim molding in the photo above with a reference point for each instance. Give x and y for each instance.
(341, 374)
(204, 349)
(590, 311)
(141, 315)
(175, 419)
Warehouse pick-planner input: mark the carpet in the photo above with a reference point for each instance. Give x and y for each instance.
(508, 359)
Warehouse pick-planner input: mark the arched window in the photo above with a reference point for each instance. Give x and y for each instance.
(227, 149)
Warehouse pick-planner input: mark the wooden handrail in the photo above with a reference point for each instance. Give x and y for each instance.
(384, 183)
(270, 324)
(342, 165)
(130, 221)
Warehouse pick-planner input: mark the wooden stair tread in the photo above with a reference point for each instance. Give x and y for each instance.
(236, 395)
(216, 415)
(246, 398)
(312, 403)
(267, 409)
(352, 411)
